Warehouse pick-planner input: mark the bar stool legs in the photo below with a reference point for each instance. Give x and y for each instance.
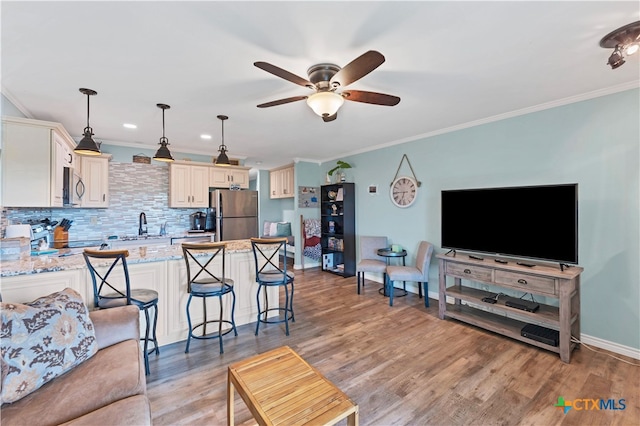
(287, 309)
(220, 321)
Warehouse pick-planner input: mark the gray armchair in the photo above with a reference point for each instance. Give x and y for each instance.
(418, 273)
(369, 259)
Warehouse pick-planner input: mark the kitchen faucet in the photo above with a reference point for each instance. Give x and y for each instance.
(143, 221)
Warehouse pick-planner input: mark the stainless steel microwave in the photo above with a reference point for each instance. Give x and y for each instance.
(72, 188)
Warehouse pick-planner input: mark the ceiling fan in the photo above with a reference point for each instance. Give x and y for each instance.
(326, 79)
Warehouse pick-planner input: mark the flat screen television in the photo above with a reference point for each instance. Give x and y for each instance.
(538, 222)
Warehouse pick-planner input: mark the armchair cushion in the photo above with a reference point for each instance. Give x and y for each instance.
(369, 265)
(404, 273)
(42, 340)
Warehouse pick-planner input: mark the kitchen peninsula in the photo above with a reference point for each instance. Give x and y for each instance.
(162, 268)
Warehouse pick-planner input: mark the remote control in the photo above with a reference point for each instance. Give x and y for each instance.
(501, 261)
(475, 257)
(528, 265)
(489, 300)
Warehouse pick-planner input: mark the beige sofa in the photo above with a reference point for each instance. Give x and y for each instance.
(107, 389)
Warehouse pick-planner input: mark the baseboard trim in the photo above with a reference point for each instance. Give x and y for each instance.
(610, 346)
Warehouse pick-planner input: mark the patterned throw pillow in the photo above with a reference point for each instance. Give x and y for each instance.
(42, 340)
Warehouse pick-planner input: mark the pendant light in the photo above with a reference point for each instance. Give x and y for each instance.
(222, 159)
(163, 153)
(87, 146)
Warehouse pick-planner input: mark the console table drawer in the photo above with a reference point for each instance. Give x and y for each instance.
(470, 272)
(526, 282)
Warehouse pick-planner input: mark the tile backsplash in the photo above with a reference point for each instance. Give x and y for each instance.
(133, 188)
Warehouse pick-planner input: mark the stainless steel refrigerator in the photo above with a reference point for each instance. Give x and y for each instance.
(236, 213)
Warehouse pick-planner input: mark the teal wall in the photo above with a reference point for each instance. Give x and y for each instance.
(594, 143)
(124, 154)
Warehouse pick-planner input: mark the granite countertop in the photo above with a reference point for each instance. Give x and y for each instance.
(70, 259)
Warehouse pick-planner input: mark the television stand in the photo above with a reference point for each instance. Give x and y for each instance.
(544, 280)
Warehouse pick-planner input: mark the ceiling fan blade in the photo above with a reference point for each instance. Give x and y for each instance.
(279, 72)
(330, 118)
(357, 68)
(282, 101)
(370, 97)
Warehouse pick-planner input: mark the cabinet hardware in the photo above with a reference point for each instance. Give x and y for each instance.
(104, 197)
(466, 271)
(522, 281)
(70, 158)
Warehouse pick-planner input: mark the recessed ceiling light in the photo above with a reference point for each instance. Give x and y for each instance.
(129, 126)
(205, 136)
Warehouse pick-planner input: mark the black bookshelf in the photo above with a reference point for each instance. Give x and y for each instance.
(338, 234)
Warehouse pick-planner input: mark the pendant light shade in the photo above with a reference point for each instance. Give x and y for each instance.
(223, 159)
(163, 153)
(87, 146)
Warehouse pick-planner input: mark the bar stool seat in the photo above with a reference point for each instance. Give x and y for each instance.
(204, 282)
(112, 292)
(269, 274)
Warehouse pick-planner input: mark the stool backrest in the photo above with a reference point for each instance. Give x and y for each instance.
(266, 253)
(106, 283)
(199, 267)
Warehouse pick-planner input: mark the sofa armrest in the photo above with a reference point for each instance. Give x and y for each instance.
(116, 325)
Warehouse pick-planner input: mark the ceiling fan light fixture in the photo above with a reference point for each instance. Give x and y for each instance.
(163, 154)
(87, 146)
(222, 159)
(632, 48)
(325, 104)
(624, 41)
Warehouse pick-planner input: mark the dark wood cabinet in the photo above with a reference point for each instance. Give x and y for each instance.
(338, 240)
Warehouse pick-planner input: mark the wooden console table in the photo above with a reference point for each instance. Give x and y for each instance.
(542, 280)
(280, 388)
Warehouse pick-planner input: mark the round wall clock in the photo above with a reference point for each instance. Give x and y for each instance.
(404, 191)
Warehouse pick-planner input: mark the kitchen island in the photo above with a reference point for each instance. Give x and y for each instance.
(162, 268)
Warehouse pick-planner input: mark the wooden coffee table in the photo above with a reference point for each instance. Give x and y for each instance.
(280, 388)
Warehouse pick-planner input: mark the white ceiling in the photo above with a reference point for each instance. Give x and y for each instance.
(452, 63)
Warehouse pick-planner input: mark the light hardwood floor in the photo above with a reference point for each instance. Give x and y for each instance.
(400, 364)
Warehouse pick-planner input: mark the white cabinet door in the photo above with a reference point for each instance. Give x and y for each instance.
(179, 185)
(275, 184)
(239, 177)
(287, 182)
(26, 165)
(58, 163)
(188, 186)
(95, 178)
(200, 186)
(26, 288)
(218, 177)
(224, 177)
(281, 183)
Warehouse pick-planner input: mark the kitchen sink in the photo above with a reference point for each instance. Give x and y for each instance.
(139, 237)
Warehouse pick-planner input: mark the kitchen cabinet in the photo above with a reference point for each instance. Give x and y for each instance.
(281, 182)
(93, 189)
(26, 288)
(188, 185)
(34, 154)
(225, 176)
